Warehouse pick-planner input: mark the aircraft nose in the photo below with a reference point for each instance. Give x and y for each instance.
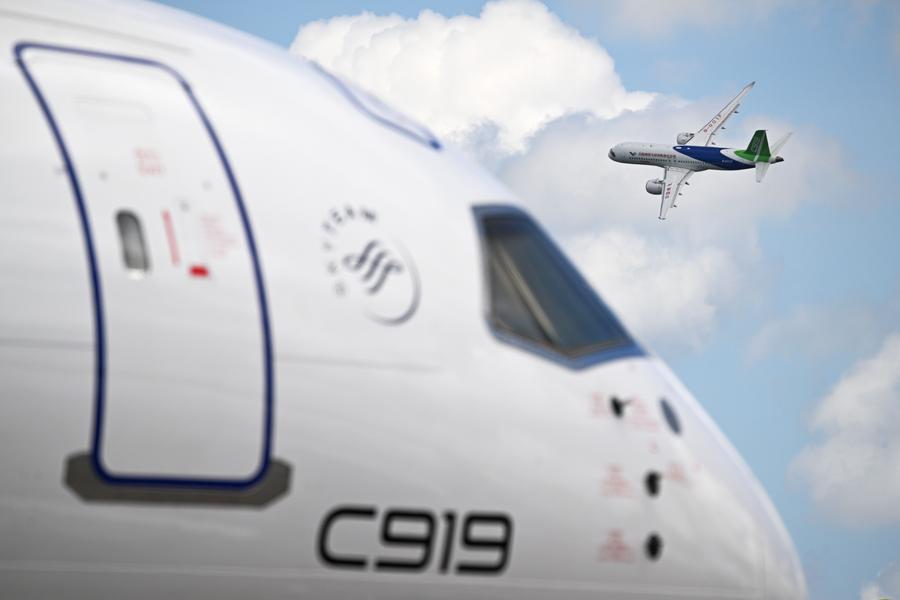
(783, 571)
(612, 153)
(736, 531)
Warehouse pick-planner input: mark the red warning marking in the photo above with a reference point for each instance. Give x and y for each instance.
(615, 484)
(219, 240)
(641, 417)
(148, 161)
(615, 549)
(599, 405)
(170, 236)
(676, 472)
(199, 271)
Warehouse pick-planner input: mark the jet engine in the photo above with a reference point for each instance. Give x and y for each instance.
(684, 137)
(654, 186)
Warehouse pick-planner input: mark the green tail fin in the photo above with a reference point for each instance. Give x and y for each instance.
(758, 150)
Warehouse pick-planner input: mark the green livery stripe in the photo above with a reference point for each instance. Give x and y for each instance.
(758, 150)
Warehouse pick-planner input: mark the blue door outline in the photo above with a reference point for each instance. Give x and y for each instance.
(97, 294)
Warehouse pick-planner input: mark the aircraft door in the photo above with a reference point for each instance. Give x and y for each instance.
(183, 373)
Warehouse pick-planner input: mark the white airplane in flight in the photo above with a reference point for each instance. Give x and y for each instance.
(262, 336)
(681, 161)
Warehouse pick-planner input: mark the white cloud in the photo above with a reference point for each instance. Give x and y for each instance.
(816, 333)
(885, 585)
(854, 471)
(515, 67)
(705, 260)
(541, 105)
(652, 285)
(567, 161)
(871, 591)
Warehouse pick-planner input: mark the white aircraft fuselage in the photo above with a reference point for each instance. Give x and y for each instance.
(262, 336)
(692, 158)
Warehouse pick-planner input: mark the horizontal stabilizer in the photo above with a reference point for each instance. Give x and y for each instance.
(780, 143)
(761, 169)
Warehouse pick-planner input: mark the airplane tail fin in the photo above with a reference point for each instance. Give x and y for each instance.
(759, 147)
(762, 165)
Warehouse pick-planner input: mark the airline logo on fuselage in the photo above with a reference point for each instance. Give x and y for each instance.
(368, 267)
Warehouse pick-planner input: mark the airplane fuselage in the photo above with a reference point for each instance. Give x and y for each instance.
(262, 336)
(692, 158)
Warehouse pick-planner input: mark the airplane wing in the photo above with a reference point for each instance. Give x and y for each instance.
(710, 129)
(674, 179)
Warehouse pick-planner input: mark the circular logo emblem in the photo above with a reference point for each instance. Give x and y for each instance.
(368, 267)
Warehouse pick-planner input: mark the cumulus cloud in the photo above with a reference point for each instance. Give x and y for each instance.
(853, 472)
(515, 67)
(566, 167)
(885, 585)
(541, 105)
(566, 179)
(819, 332)
(872, 591)
(652, 285)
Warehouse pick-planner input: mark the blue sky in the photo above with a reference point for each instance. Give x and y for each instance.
(817, 287)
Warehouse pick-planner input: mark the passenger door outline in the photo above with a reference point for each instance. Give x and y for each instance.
(97, 292)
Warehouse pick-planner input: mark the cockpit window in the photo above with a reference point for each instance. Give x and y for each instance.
(536, 295)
